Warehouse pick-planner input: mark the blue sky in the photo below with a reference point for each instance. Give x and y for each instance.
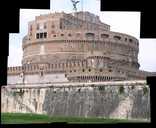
(124, 22)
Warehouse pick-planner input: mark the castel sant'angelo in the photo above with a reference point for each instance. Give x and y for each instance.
(75, 47)
(74, 65)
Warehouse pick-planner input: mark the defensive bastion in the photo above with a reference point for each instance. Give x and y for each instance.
(73, 65)
(126, 100)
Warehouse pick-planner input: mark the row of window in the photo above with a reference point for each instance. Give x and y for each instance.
(41, 35)
(96, 78)
(89, 70)
(92, 36)
(88, 35)
(68, 35)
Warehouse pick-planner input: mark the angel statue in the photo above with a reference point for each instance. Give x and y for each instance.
(74, 4)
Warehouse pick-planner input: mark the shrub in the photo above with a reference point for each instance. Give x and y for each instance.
(101, 88)
(121, 89)
(145, 90)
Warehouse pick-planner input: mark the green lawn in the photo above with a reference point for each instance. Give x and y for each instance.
(19, 118)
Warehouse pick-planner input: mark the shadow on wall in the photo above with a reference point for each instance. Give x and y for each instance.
(141, 106)
(109, 101)
(94, 101)
(80, 102)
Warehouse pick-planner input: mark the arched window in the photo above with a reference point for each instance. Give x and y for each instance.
(110, 70)
(69, 34)
(130, 40)
(117, 37)
(90, 36)
(104, 36)
(100, 70)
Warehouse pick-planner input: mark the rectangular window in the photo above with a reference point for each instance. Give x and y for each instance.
(37, 36)
(60, 24)
(45, 35)
(41, 35)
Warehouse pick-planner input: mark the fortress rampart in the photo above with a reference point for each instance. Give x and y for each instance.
(127, 100)
(69, 70)
(73, 65)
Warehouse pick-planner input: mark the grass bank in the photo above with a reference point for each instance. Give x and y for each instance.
(23, 118)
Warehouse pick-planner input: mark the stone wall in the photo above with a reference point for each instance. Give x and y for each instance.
(37, 78)
(131, 102)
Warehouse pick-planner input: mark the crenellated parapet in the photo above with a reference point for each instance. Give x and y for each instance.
(14, 70)
(49, 67)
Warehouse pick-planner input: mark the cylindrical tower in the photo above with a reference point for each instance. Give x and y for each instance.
(96, 52)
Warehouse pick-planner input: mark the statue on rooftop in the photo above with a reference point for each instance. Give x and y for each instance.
(74, 2)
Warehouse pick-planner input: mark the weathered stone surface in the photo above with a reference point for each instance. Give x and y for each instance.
(104, 101)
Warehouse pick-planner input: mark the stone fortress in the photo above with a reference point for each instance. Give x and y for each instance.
(73, 65)
(75, 47)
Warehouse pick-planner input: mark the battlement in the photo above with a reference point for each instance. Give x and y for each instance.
(53, 67)
(77, 71)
